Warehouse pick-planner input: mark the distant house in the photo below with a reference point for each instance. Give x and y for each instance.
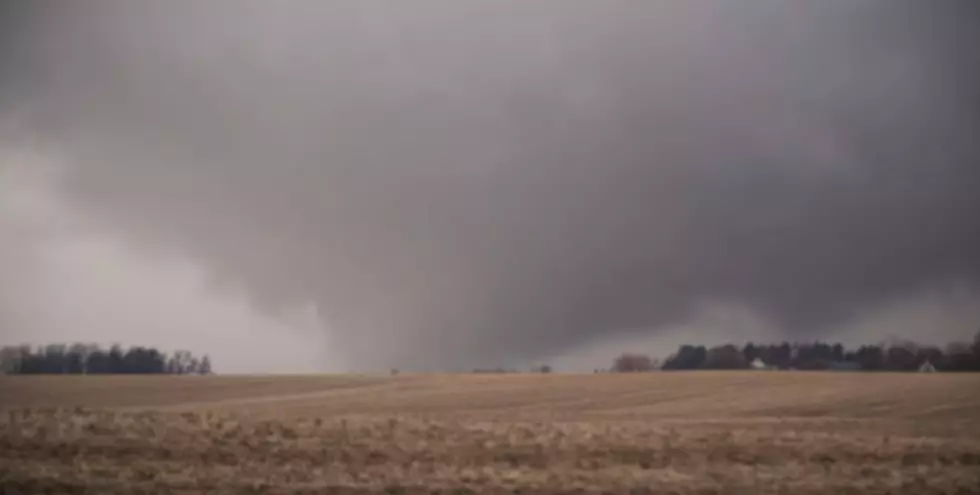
(758, 364)
(927, 367)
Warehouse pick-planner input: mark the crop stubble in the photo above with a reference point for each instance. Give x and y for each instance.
(655, 433)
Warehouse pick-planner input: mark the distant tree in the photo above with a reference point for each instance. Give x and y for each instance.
(98, 362)
(31, 362)
(157, 361)
(814, 364)
(823, 351)
(814, 356)
(117, 359)
(205, 367)
(171, 366)
(498, 369)
(802, 354)
(10, 360)
(132, 360)
(55, 359)
(544, 368)
(959, 356)
(902, 358)
(76, 359)
(928, 353)
(144, 360)
(180, 363)
(783, 355)
(837, 353)
(688, 357)
(870, 358)
(764, 353)
(726, 357)
(631, 363)
(894, 354)
(777, 355)
(81, 358)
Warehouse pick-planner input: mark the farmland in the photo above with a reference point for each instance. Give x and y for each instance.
(698, 432)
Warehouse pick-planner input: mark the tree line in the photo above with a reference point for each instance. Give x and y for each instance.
(897, 356)
(81, 358)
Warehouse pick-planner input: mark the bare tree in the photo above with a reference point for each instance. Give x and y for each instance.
(204, 368)
(631, 363)
(10, 359)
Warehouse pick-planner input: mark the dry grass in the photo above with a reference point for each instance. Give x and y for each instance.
(676, 433)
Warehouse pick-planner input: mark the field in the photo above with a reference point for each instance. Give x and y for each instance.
(677, 433)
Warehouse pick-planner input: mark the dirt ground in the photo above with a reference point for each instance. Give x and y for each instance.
(678, 433)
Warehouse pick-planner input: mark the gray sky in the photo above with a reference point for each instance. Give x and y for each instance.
(309, 185)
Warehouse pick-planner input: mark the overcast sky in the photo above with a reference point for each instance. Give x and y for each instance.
(306, 185)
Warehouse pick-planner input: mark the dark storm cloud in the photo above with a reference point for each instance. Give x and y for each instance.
(458, 181)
